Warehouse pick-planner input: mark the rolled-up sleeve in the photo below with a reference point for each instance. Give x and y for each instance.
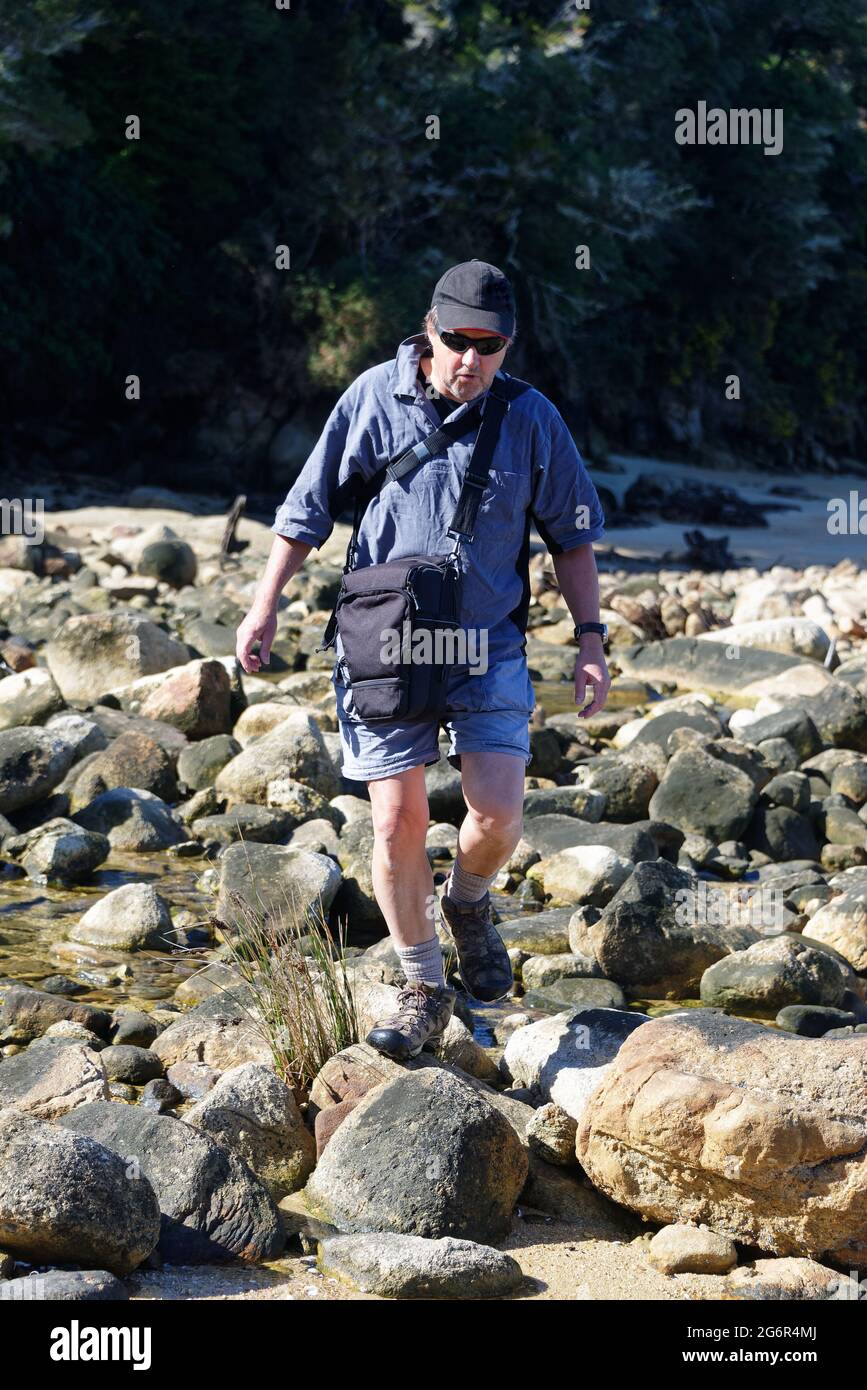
(565, 505)
(308, 511)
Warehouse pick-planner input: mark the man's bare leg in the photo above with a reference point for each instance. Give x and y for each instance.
(402, 877)
(493, 788)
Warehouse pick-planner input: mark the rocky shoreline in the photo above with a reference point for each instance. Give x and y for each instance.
(673, 1104)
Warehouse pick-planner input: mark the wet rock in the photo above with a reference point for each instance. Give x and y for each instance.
(133, 820)
(406, 1266)
(131, 918)
(295, 748)
(66, 1199)
(66, 1286)
(685, 1249)
(199, 764)
(706, 1118)
(212, 1206)
(98, 652)
(563, 1059)
(32, 763)
(699, 793)
(50, 1078)
(251, 1111)
(273, 879)
(28, 698)
(58, 851)
(462, 1165)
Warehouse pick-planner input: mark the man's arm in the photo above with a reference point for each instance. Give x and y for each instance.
(286, 558)
(579, 584)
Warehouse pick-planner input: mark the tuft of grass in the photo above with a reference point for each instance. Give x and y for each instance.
(302, 1003)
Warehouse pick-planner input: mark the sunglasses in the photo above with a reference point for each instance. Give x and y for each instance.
(485, 347)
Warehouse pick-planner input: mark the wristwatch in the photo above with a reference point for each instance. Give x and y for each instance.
(600, 628)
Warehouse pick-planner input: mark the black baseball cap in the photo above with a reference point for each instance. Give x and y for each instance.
(475, 294)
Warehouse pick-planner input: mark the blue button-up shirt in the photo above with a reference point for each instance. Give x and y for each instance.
(537, 474)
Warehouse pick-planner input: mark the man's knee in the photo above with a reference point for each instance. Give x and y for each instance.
(500, 822)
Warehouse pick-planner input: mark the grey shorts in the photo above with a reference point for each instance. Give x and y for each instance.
(485, 712)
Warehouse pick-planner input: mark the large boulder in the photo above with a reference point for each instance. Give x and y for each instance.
(842, 923)
(564, 1058)
(251, 1111)
(29, 1013)
(654, 937)
(424, 1154)
(52, 1077)
(131, 918)
(97, 652)
(223, 1032)
(32, 762)
(66, 1199)
(272, 879)
(295, 748)
(199, 764)
(212, 1207)
(582, 874)
(758, 1133)
(707, 666)
(133, 820)
(59, 851)
(795, 636)
(705, 796)
(196, 698)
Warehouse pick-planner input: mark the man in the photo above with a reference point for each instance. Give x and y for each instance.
(536, 474)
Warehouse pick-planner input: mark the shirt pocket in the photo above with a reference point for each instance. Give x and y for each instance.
(507, 496)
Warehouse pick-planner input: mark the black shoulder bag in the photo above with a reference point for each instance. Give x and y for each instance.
(415, 594)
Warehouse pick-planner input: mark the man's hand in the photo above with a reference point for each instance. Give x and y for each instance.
(590, 669)
(256, 627)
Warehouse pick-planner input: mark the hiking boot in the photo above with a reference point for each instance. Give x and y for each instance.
(423, 1011)
(486, 970)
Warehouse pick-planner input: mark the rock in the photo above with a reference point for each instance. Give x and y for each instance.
(576, 993)
(539, 971)
(850, 780)
(27, 1014)
(786, 969)
(132, 760)
(32, 763)
(28, 698)
(192, 1080)
(697, 665)
(654, 938)
(551, 1135)
(564, 1058)
(542, 934)
(199, 764)
(251, 1111)
(295, 748)
(195, 698)
(794, 725)
(160, 1095)
(131, 918)
(550, 833)
(706, 1118)
(701, 794)
(51, 1078)
(212, 1206)
(133, 1028)
(782, 834)
(626, 784)
(272, 879)
(170, 560)
(406, 1266)
(582, 874)
(248, 823)
(65, 1286)
(813, 1020)
(461, 1170)
(789, 1280)
(133, 820)
(585, 804)
(66, 1199)
(840, 716)
(81, 734)
(97, 652)
(684, 1249)
(658, 728)
(221, 1039)
(58, 851)
(842, 923)
(790, 789)
(115, 722)
(136, 1065)
(795, 636)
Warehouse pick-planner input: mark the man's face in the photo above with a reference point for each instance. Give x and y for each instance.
(463, 375)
